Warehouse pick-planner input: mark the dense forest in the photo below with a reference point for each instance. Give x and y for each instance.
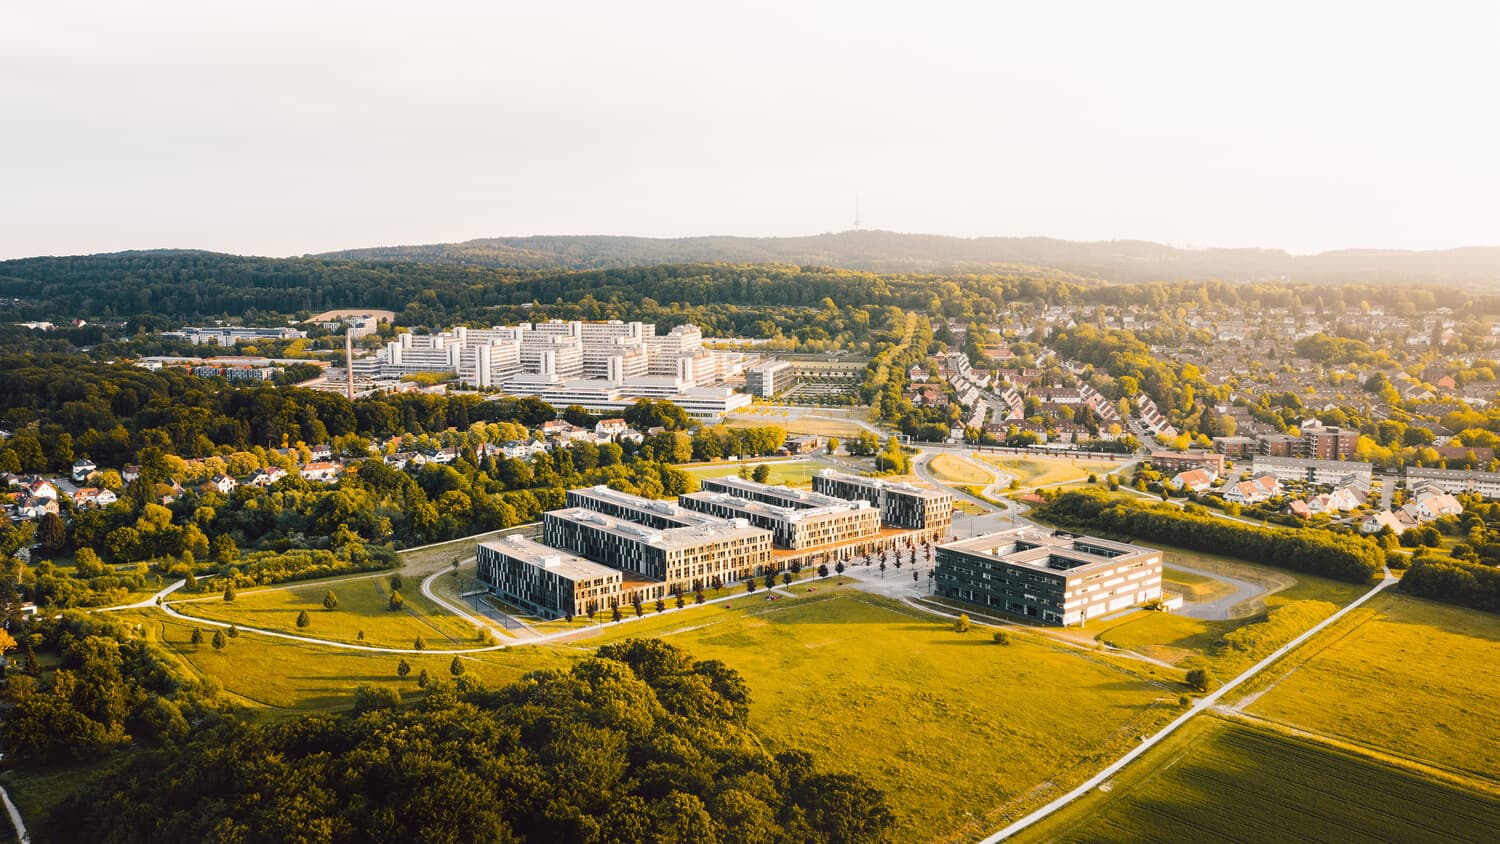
(162, 289)
(638, 742)
(884, 251)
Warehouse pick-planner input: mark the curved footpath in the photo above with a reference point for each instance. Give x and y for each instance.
(1223, 608)
(15, 817)
(1205, 703)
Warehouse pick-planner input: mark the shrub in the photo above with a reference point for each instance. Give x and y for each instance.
(962, 624)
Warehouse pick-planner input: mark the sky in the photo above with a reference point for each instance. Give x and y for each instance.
(289, 128)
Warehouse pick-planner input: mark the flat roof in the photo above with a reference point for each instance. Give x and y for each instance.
(533, 553)
(668, 509)
(712, 529)
(799, 497)
(880, 483)
(1066, 555)
(790, 514)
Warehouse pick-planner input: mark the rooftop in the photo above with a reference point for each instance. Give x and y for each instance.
(790, 514)
(711, 529)
(568, 565)
(1045, 551)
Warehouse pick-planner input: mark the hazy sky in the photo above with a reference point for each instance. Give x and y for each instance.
(284, 128)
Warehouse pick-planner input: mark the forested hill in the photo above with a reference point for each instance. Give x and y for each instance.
(156, 290)
(883, 251)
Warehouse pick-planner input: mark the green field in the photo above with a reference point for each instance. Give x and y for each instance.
(292, 678)
(1220, 781)
(956, 470)
(951, 727)
(868, 686)
(1406, 676)
(788, 472)
(363, 605)
(1164, 636)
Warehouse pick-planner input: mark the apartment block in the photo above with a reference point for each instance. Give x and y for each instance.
(1328, 443)
(1305, 470)
(1172, 462)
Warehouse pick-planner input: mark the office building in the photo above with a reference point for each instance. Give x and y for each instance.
(768, 379)
(795, 528)
(901, 504)
(780, 496)
(545, 580)
(1054, 578)
(651, 512)
(686, 557)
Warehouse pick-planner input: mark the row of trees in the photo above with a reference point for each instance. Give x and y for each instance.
(1339, 556)
(1455, 581)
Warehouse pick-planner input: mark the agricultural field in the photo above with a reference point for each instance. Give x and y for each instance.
(363, 607)
(1216, 780)
(1405, 676)
(953, 469)
(1045, 471)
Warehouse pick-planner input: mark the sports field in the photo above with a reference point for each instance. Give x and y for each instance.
(1219, 781)
(1406, 676)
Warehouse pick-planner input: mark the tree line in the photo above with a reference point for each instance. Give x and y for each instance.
(1350, 558)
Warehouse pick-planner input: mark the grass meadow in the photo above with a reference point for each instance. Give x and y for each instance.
(363, 606)
(950, 468)
(1044, 471)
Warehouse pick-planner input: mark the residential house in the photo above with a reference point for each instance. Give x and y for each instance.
(82, 469)
(321, 471)
(1253, 491)
(93, 497)
(1194, 480)
(1398, 522)
(224, 484)
(267, 476)
(610, 427)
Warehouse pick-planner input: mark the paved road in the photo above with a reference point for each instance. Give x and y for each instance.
(1222, 609)
(1205, 703)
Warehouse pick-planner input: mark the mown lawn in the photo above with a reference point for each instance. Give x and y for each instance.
(1408, 676)
(788, 472)
(363, 606)
(1217, 781)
